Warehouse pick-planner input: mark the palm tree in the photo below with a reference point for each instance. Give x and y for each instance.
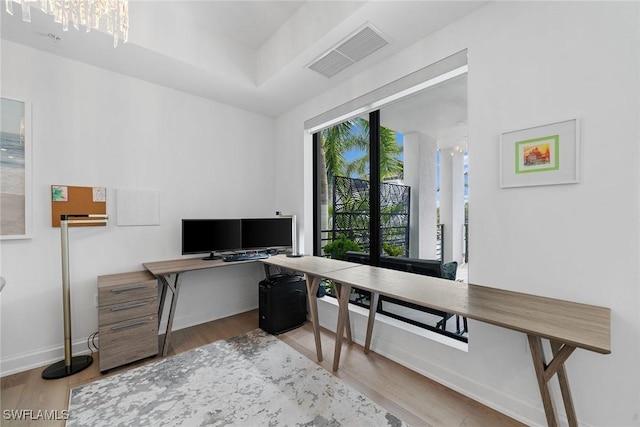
(339, 139)
(335, 142)
(390, 166)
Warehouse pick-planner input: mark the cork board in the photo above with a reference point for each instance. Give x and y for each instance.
(67, 200)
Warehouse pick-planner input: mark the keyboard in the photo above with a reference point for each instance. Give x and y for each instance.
(245, 257)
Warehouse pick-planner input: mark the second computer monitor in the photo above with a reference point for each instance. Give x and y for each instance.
(266, 233)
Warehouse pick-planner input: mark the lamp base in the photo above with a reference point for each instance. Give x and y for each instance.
(60, 370)
(290, 255)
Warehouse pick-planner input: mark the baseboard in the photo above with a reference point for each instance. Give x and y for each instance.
(182, 321)
(41, 358)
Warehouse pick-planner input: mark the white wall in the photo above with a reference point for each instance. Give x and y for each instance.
(92, 127)
(530, 63)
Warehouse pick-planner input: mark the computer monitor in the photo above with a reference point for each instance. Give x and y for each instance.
(258, 233)
(210, 236)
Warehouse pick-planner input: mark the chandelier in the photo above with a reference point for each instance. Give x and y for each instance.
(113, 14)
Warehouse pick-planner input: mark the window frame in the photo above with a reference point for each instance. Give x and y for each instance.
(441, 71)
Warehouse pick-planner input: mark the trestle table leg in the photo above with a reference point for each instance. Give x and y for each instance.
(338, 288)
(343, 316)
(544, 372)
(373, 306)
(313, 282)
(163, 294)
(172, 311)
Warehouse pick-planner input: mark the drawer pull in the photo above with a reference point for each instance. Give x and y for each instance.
(128, 288)
(128, 306)
(130, 325)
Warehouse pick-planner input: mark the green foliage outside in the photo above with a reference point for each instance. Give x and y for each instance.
(336, 142)
(392, 250)
(338, 248)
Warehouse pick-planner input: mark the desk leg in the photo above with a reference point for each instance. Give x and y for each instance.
(267, 270)
(544, 373)
(163, 295)
(313, 282)
(338, 288)
(172, 312)
(373, 306)
(557, 349)
(343, 316)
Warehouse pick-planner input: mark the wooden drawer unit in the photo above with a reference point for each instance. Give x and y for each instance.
(127, 318)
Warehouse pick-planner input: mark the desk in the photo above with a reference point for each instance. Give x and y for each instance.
(567, 325)
(313, 267)
(163, 270)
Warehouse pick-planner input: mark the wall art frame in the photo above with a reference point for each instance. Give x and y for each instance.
(15, 168)
(541, 155)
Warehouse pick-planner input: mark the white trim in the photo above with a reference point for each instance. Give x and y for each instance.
(218, 312)
(42, 357)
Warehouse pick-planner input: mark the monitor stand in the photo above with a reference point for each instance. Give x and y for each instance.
(212, 256)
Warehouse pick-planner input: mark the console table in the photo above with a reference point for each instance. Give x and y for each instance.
(567, 325)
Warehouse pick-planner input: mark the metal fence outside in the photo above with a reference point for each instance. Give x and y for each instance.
(350, 216)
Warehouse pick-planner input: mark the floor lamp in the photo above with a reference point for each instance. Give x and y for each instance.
(71, 364)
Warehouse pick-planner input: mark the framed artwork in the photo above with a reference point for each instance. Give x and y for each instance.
(541, 155)
(15, 168)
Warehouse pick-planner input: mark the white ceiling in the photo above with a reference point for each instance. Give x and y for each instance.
(254, 54)
(249, 54)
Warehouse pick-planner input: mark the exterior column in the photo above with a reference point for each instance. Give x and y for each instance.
(420, 175)
(452, 203)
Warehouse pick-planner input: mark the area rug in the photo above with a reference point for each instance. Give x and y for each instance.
(252, 380)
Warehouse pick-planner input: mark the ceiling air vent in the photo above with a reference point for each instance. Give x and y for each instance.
(358, 45)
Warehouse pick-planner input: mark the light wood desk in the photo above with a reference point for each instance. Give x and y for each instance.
(567, 325)
(163, 270)
(313, 267)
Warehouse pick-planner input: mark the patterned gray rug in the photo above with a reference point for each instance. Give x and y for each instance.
(253, 380)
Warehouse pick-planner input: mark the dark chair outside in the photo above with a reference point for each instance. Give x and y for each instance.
(449, 271)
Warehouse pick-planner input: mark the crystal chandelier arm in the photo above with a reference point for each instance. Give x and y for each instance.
(114, 14)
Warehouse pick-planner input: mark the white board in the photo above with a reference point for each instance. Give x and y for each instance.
(137, 207)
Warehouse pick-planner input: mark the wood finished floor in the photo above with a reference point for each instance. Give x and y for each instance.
(412, 397)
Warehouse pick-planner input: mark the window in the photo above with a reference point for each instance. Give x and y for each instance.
(391, 191)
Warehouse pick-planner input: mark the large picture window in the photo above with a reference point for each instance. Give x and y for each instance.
(390, 191)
